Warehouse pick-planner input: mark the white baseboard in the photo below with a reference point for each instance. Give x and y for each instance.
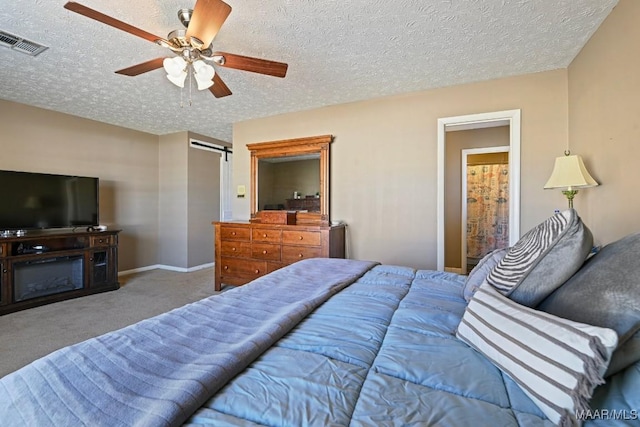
(166, 267)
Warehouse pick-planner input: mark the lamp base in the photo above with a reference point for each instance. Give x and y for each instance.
(570, 195)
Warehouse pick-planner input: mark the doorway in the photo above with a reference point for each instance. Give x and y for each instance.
(510, 118)
(224, 213)
(484, 203)
(226, 191)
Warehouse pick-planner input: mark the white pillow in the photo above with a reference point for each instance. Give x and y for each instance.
(556, 362)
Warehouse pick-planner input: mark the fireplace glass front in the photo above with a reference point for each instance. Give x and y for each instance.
(47, 276)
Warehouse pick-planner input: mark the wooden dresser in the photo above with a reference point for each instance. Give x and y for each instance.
(245, 251)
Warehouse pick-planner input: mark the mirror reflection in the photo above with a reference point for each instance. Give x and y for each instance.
(289, 183)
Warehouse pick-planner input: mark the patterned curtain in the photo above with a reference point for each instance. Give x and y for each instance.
(487, 209)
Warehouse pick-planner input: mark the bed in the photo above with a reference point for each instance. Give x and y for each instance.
(325, 342)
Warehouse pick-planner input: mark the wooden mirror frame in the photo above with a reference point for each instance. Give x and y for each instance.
(294, 147)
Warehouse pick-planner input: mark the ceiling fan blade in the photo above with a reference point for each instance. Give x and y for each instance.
(135, 70)
(255, 65)
(101, 17)
(208, 16)
(219, 89)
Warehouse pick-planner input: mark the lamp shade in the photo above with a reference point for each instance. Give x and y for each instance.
(569, 171)
(204, 74)
(179, 79)
(174, 66)
(176, 70)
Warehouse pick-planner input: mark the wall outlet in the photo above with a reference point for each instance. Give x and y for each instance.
(241, 191)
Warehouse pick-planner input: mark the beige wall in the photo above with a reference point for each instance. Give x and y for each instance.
(604, 123)
(456, 142)
(159, 192)
(126, 161)
(384, 154)
(189, 194)
(383, 158)
(172, 212)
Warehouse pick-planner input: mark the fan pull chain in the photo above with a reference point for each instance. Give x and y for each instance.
(190, 67)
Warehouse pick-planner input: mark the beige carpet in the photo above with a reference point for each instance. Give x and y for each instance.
(30, 334)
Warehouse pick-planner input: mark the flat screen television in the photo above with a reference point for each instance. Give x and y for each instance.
(41, 201)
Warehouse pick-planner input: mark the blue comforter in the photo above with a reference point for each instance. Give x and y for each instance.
(159, 371)
(322, 342)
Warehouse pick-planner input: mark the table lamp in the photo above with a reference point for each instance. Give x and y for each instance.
(569, 172)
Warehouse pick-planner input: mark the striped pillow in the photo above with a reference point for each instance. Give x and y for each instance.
(543, 259)
(555, 361)
(479, 273)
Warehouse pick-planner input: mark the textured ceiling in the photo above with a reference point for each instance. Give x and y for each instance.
(337, 51)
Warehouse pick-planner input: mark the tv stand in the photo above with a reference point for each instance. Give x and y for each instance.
(43, 267)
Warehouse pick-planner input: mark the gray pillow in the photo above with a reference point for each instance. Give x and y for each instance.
(543, 259)
(606, 292)
(481, 270)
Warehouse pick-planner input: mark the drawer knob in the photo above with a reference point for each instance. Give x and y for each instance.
(300, 255)
(257, 271)
(300, 237)
(233, 233)
(233, 249)
(264, 252)
(264, 235)
(226, 267)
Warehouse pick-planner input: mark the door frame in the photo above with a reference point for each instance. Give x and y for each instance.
(463, 206)
(476, 121)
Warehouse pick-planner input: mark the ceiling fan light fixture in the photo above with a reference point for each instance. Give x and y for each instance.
(174, 66)
(191, 45)
(203, 74)
(176, 69)
(178, 80)
(202, 85)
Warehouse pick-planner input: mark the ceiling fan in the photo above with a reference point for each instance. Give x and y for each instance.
(192, 46)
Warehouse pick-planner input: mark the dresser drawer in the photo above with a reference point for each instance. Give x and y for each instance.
(242, 267)
(267, 251)
(268, 235)
(101, 240)
(273, 266)
(235, 233)
(291, 254)
(231, 248)
(307, 238)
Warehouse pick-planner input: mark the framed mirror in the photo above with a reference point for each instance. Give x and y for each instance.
(291, 175)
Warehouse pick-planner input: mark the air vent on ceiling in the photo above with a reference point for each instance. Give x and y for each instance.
(21, 45)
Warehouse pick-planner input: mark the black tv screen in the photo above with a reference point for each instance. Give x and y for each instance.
(38, 201)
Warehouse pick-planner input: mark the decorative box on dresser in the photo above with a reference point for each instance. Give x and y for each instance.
(245, 251)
